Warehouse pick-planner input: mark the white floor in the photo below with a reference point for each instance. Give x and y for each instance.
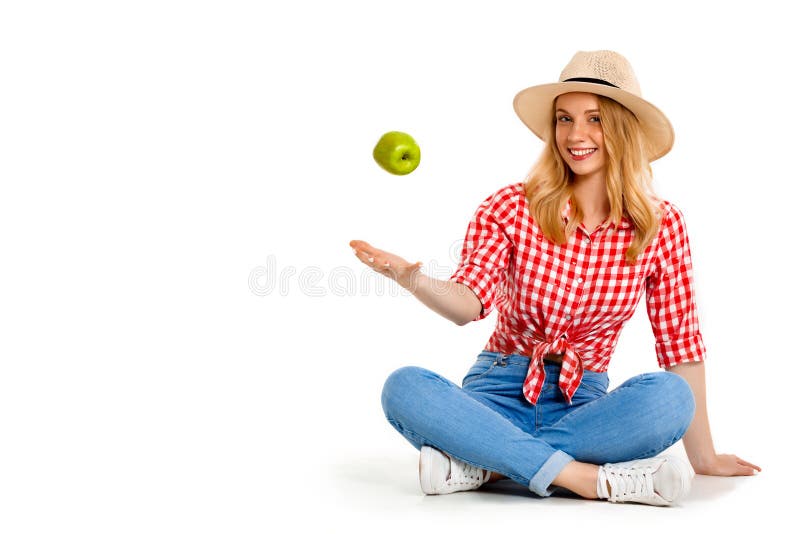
(380, 493)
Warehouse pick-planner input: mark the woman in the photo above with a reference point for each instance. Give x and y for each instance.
(564, 258)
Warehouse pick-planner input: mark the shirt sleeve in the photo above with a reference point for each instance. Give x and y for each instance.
(486, 249)
(671, 303)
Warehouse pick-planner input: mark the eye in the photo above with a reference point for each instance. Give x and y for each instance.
(594, 118)
(563, 118)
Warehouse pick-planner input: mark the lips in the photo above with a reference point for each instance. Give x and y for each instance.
(581, 153)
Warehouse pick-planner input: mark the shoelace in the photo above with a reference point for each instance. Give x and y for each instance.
(465, 474)
(627, 482)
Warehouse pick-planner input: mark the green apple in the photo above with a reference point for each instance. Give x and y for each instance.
(397, 153)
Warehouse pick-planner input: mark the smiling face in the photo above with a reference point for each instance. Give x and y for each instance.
(579, 135)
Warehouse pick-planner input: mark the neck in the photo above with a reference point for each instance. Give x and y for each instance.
(590, 194)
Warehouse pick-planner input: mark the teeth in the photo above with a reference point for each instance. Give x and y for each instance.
(582, 152)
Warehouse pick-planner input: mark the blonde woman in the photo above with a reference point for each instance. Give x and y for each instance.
(564, 258)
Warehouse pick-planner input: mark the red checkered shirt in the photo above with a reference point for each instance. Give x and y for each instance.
(573, 299)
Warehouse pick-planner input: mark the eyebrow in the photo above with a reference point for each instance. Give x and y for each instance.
(585, 112)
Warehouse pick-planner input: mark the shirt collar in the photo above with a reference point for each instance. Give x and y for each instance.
(625, 222)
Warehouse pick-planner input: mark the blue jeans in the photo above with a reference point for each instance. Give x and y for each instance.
(489, 424)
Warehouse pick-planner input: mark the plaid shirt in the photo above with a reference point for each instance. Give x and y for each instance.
(573, 299)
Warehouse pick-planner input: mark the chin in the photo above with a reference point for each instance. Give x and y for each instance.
(579, 173)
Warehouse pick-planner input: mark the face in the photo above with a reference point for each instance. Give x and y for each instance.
(579, 135)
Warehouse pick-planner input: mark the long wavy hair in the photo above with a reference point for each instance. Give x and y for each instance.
(628, 181)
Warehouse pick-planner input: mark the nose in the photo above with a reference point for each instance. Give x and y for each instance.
(577, 132)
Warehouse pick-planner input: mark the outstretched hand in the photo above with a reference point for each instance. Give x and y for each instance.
(386, 263)
(728, 465)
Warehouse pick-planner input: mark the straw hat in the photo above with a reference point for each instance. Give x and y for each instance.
(603, 73)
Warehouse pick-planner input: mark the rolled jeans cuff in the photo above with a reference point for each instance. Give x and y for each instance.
(540, 483)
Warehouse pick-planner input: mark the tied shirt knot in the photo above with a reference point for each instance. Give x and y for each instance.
(569, 378)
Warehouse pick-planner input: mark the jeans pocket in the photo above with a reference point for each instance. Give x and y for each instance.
(482, 367)
(594, 383)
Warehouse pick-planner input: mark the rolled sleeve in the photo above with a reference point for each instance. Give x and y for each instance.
(671, 304)
(485, 252)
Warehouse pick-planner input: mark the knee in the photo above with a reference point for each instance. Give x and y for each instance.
(674, 391)
(400, 387)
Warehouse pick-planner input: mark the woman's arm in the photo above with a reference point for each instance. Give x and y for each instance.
(451, 300)
(697, 440)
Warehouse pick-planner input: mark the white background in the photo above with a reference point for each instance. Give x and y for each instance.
(187, 342)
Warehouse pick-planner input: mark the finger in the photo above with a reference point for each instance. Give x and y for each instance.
(365, 258)
(363, 246)
(360, 254)
(377, 262)
(745, 471)
(738, 469)
(747, 464)
(358, 246)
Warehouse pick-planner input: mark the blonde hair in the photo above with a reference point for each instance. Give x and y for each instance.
(628, 181)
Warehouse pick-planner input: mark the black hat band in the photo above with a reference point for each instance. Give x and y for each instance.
(591, 80)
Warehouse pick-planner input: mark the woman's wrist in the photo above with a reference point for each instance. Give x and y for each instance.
(412, 281)
(702, 463)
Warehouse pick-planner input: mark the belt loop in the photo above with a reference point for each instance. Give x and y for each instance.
(501, 360)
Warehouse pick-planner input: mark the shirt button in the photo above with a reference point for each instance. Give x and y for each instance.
(580, 279)
(569, 317)
(587, 239)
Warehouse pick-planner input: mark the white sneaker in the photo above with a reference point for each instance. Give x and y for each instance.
(662, 480)
(439, 474)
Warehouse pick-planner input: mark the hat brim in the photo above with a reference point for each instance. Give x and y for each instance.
(534, 106)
